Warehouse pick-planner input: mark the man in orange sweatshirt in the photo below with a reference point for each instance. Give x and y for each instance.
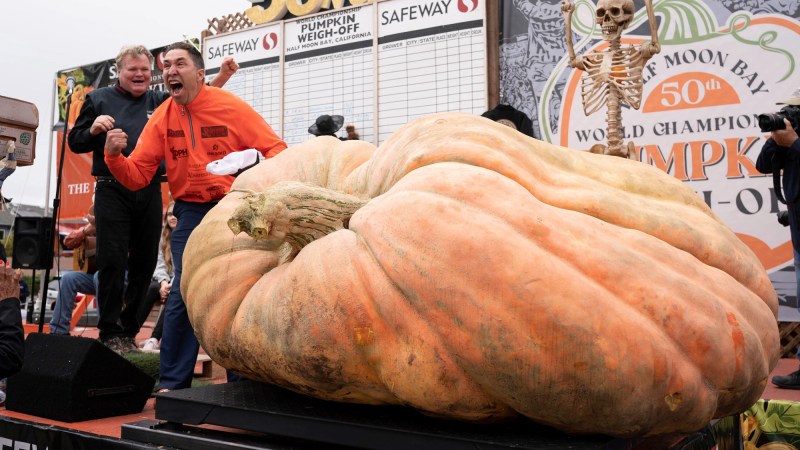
(197, 125)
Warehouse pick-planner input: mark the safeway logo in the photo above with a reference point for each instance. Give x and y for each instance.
(160, 60)
(466, 6)
(270, 41)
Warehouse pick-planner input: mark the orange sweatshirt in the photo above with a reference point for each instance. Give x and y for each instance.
(189, 137)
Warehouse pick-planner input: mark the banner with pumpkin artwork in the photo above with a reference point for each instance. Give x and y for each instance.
(77, 188)
(721, 65)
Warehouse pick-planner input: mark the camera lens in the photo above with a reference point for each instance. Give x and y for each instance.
(770, 122)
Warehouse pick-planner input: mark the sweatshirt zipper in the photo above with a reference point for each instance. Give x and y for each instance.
(189, 116)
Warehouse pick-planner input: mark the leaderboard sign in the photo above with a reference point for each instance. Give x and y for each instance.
(379, 65)
(328, 69)
(258, 81)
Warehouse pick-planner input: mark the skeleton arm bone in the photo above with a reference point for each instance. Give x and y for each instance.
(649, 49)
(568, 7)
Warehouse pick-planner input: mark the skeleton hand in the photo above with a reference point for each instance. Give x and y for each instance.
(567, 7)
(650, 48)
(577, 63)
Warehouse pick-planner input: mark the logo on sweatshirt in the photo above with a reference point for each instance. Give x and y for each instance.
(175, 133)
(178, 153)
(214, 132)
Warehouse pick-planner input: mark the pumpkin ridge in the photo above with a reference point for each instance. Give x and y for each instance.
(386, 316)
(402, 185)
(428, 150)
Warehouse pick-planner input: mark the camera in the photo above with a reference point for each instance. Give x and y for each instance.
(774, 121)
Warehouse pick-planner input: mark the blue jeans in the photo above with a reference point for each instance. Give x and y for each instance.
(71, 284)
(179, 346)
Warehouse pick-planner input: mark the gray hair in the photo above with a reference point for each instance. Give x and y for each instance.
(132, 51)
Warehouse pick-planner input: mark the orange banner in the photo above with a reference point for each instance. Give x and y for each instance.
(77, 183)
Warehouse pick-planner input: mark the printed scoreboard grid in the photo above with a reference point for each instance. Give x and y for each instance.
(328, 69)
(258, 80)
(293, 71)
(348, 82)
(259, 85)
(428, 74)
(425, 69)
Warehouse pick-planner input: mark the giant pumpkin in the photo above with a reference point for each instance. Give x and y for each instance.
(473, 273)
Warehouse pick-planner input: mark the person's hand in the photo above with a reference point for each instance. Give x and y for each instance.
(229, 66)
(116, 142)
(226, 70)
(9, 281)
(101, 125)
(785, 138)
(75, 238)
(164, 291)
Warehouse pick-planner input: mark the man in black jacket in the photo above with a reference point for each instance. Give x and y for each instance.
(128, 223)
(782, 152)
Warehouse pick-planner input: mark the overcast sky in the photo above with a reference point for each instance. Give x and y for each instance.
(39, 38)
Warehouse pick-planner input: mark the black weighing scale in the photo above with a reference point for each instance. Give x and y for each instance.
(261, 416)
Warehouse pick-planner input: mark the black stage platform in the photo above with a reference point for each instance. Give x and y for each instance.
(265, 416)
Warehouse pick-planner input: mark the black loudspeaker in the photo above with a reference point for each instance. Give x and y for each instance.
(32, 243)
(71, 379)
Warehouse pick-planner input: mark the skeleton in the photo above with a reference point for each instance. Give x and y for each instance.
(612, 77)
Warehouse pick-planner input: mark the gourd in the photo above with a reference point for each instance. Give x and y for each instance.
(473, 273)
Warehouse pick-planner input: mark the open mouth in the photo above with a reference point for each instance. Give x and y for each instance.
(175, 87)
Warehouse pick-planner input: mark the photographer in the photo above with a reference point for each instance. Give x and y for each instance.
(782, 153)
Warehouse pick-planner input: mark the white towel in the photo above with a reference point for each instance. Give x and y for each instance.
(235, 163)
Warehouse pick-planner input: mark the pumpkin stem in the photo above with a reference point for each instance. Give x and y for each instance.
(294, 212)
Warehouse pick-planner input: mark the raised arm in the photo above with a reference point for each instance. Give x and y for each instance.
(226, 70)
(568, 7)
(651, 48)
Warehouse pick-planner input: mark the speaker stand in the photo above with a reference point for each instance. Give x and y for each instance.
(32, 300)
(56, 203)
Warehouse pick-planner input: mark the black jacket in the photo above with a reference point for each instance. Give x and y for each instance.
(774, 158)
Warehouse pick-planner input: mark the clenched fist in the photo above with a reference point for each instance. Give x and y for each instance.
(116, 142)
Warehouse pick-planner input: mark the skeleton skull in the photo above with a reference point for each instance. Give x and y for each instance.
(613, 17)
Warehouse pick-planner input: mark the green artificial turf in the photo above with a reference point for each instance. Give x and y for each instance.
(148, 363)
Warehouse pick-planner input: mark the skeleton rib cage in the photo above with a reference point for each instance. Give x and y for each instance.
(621, 68)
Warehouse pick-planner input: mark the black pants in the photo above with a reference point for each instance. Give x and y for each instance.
(128, 231)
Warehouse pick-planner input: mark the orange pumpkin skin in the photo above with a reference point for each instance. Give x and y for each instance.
(490, 275)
